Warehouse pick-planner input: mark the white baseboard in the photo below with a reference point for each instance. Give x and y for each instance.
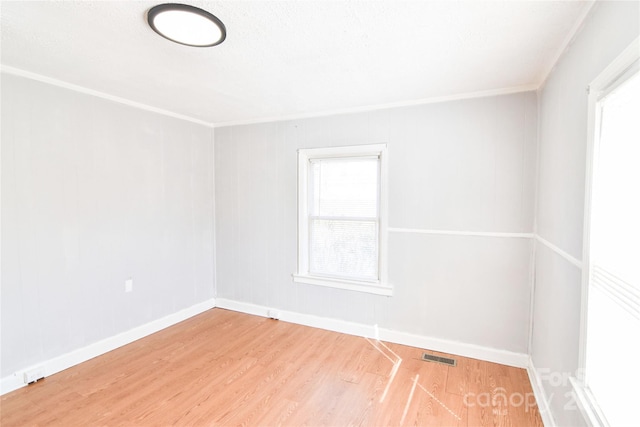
(65, 361)
(474, 351)
(541, 395)
(335, 325)
(489, 354)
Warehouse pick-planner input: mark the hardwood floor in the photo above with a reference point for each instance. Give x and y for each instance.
(227, 368)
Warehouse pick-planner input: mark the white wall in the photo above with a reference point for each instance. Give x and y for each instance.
(95, 192)
(610, 27)
(463, 166)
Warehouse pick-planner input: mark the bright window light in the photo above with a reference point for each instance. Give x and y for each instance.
(612, 372)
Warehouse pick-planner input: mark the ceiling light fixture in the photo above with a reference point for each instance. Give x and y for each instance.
(187, 25)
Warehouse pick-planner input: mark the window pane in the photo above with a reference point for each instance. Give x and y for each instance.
(616, 194)
(344, 187)
(612, 371)
(344, 248)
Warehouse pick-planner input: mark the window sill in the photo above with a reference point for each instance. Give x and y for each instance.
(350, 285)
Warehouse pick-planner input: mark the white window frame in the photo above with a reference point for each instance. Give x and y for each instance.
(607, 81)
(305, 156)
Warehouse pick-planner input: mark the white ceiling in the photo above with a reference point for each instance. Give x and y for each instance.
(291, 58)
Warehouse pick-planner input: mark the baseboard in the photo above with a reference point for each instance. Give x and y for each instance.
(473, 351)
(335, 325)
(541, 395)
(65, 361)
(489, 354)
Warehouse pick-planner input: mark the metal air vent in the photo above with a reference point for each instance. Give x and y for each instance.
(444, 360)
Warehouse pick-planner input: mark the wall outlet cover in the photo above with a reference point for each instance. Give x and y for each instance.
(273, 314)
(33, 375)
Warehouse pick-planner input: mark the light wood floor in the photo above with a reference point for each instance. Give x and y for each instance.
(227, 368)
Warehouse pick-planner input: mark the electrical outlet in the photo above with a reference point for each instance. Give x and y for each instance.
(33, 375)
(273, 314)
(128, 285)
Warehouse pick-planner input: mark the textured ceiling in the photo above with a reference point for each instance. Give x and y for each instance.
(288, 58)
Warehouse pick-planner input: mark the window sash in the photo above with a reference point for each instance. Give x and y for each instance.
(314, 201)
(375, 278)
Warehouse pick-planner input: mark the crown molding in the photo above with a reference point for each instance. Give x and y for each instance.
(362, 109)
(77, 88)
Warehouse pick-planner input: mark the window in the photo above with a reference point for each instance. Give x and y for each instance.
(611, 274)
(341, 218)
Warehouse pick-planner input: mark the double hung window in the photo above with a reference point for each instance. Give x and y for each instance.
(341, 232)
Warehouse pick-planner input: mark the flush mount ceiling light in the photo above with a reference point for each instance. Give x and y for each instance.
(187, 25)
